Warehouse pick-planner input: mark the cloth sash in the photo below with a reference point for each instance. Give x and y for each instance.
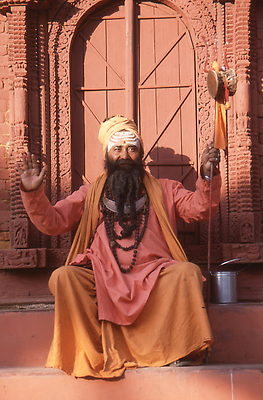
(90, 218)
(221, 105)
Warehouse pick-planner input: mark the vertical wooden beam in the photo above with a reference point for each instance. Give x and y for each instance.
(130, 59)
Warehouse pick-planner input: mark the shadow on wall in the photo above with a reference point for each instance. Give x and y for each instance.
(167, 164)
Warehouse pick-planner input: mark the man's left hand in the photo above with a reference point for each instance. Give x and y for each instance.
(210, 155)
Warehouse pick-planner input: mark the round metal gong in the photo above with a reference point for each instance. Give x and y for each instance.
(215, 83)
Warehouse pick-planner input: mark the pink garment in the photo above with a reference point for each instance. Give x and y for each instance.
(121, 297)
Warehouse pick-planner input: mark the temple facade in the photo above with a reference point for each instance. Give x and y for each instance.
(67, 65)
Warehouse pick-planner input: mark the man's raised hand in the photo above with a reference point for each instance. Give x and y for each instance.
(210, 155)
(31, 178)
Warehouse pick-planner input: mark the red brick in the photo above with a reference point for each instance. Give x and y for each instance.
(7, 114)
(7, 185)
(4, 236)
(4, 71)
(2, 150)
(260, 127)
(4, 173)
(5, 245)
(4, 94)
(5, 217)
(3, 49)
(3, 38)
(4, 205)
(260, 65)
(3, 18)
(3, 162)
(2, 28)
(4, 61)
(4, 128)
(4, 195)
(4, 139)
(260, 110)
(3, 104)
(4, 226)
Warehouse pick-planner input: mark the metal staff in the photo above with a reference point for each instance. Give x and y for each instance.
(221, 83)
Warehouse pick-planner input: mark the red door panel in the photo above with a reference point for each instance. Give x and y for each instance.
(164, 84)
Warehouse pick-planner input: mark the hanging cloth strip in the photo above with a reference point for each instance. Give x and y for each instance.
(221, 105)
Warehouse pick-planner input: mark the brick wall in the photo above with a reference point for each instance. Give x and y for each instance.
(5, 213)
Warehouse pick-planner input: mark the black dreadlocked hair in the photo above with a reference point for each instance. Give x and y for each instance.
(125, 184)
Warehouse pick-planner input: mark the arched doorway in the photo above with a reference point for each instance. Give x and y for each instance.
(145, 65)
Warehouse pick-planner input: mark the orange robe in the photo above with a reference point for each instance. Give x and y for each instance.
(108, 321)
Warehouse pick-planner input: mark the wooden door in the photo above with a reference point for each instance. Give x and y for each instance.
(146, 64)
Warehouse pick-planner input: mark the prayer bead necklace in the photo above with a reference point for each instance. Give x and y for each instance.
(110, 218)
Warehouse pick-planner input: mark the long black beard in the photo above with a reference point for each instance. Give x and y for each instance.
(125, 185)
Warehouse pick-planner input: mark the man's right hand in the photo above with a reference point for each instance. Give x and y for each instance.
(31, 179)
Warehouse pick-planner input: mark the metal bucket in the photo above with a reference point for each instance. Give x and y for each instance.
(224, 287)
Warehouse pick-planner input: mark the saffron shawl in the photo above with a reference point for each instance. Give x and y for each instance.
(90, 218)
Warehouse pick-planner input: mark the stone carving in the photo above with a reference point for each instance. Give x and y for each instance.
(22, 258)
(19, 233)
(246, 252)
(26, 258)
(246, 232)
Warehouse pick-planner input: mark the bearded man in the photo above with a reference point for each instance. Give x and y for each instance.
(127, 296)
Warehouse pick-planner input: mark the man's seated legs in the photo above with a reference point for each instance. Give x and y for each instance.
(172, 325)
(76, 346)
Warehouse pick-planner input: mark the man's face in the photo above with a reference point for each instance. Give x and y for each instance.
(124, 151)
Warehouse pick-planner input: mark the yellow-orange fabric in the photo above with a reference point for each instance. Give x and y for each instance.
(90, 218)
(172, 325)
(220, 139)
(116, 124)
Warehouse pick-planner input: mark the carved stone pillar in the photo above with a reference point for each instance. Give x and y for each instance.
(27, 38)
(19, 118)
(243, 186)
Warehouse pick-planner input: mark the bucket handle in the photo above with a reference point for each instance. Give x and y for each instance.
(232, 261)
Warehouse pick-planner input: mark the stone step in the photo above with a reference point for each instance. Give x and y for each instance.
(213, 382)
(25, 336)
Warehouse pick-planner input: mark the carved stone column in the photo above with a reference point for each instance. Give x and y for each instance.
(19, 118)
(244, 224)
(24, 62)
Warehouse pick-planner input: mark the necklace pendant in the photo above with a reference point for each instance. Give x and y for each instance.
(112, 244)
